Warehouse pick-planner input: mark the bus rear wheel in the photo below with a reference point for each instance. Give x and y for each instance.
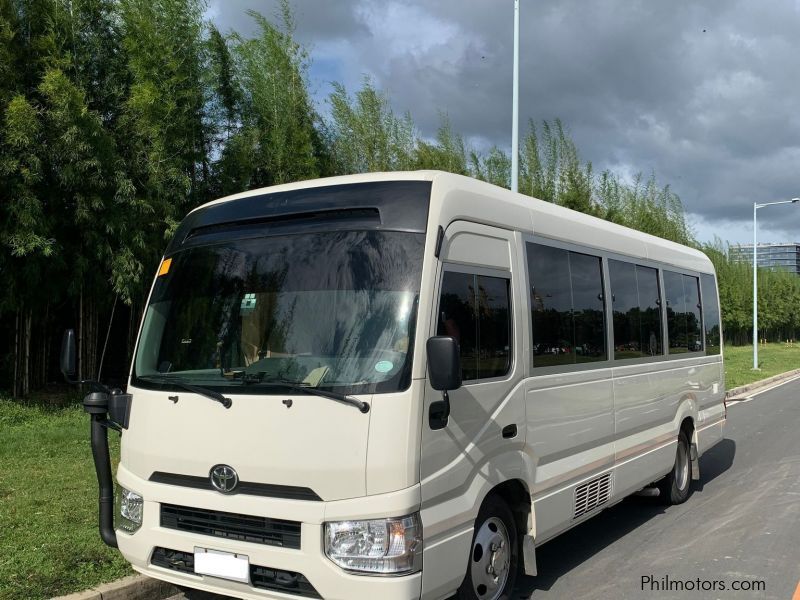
(675, 487)
(494, 555)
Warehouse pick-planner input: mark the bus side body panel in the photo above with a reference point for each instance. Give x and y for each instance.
(570, 433)
(462, 462)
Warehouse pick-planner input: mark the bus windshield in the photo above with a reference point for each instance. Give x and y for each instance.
(332, 310)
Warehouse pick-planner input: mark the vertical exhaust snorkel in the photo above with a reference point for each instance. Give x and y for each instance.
(108, 409)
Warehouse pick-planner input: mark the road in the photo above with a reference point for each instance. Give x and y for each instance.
(741, 525)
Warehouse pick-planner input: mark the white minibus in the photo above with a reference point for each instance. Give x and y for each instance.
(399, 385)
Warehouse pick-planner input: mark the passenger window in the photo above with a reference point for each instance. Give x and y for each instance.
(476, 311)
(650, 310)
(588, 313)
(494, 327)
(567, 309)
(708, 286)
(694, 335)
(636, 305)
(683, 312)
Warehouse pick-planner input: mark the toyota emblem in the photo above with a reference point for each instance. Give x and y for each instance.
(224, 478)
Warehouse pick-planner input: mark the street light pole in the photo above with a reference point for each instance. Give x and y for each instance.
(756, 206)
(755, 287)
(515, 106)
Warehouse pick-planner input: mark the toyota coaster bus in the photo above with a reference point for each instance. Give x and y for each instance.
(395, 386)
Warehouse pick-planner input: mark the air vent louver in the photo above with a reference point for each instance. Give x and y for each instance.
(592, 494)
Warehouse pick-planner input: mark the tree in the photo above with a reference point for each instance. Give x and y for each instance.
(366, 135)
(447, 153)
(277, 118)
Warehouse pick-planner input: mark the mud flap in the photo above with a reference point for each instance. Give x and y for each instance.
(694, 460)
(529, 555)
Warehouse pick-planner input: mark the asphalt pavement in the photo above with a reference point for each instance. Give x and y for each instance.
(740, 528)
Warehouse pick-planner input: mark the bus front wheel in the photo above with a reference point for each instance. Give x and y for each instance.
(494, 555)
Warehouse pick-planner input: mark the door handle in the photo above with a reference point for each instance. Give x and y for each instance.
(510, 431)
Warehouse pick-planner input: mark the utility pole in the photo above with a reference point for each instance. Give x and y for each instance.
(515, 106)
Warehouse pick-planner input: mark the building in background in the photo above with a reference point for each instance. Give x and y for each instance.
(773, 256)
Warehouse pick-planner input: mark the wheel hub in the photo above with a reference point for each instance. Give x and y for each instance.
(490, 559)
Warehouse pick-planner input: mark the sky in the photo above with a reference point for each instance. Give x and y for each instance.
(703, 94)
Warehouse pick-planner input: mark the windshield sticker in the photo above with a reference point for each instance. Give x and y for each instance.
(384, 366)
(248, 304)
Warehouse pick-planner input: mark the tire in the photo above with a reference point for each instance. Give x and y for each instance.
(492, 572)
(676, 487)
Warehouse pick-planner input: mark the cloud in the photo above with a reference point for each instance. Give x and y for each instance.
(703, 94)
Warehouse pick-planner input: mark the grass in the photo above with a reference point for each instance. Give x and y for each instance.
(49, 543)
(772, 360)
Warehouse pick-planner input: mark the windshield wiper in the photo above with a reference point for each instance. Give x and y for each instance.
(257, 380)
(197, 389)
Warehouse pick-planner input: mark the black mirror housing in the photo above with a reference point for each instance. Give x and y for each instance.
(68, 355)
(444, 363)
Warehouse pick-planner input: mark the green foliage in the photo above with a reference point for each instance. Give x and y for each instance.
(550, 169)
(447, 153)
(366, 135)
(276, 135)
(778, 298)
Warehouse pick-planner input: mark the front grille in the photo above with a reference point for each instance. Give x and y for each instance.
(265, 578)
(287, 582)
(244, 528)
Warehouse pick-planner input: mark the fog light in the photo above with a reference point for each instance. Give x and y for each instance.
(381, 546)
(130, 506)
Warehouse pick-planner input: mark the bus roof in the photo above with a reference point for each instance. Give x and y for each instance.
(457, 197)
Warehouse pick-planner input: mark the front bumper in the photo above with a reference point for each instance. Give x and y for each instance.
(328, 580)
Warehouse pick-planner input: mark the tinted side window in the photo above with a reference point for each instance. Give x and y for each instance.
(710, 313)
(625, 307)
(650, 310)
(588, 312)
(551, 306)
(567, 307)
(676, 312)
(494, 327)
(683, 312)
(694, 336)
(476, 311)
(457, 318)
(636, 302)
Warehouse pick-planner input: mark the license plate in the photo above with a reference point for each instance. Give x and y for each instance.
(222, 564)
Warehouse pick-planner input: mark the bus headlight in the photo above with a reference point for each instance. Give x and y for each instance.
(130, 506)
(379, 546)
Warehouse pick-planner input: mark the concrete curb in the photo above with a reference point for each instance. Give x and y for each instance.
(757, 385)
(133, 587)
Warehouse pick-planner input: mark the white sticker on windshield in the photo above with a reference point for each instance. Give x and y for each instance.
(384, 366)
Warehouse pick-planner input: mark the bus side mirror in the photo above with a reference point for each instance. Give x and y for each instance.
(444, 372)
(444, 363)
(68, 355)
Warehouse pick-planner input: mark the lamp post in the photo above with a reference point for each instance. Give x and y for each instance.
(515, 106)
(756, 206)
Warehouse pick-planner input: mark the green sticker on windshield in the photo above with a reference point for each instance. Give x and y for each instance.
(384, 366)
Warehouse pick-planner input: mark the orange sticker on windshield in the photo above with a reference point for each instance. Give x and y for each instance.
(165, 265)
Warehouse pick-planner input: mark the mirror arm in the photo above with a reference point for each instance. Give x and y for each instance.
(95, 386)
